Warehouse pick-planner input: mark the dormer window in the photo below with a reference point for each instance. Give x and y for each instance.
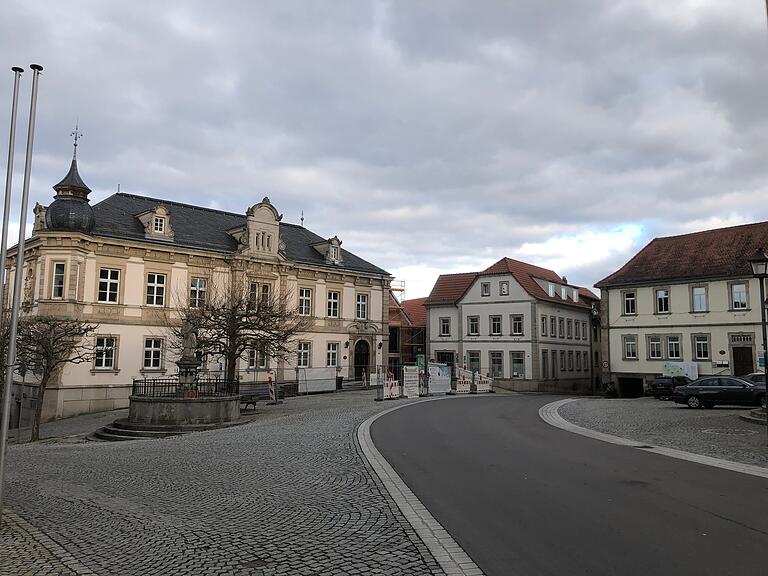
(334, 253)
(159, 225)
(551, 290)
(563, 292)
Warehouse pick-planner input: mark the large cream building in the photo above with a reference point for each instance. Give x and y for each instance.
(684, 300)
(128, 261)
(521, 324)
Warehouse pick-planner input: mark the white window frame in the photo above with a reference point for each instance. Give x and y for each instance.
(361, 306)
(563, 293)
(153, 353)
(629, 303)
(332, 307)
(485, 289)
(304, 354)
(515, 320)
(334, 253)
(473, 322)
(544, 325)
(676, 341)
(332, 354)
(655, 350)
(629, 344)
(305, 301)
(101, 351)
(504, 288)
(158, 225)
(662, 295)
(553, 326)
(491, 320)
(445, 326)
(156, 289)
(703, 340)
(198, 290)
(265, 294)
(58, 280)
(739, 304)
(111, 284)
(704, 304)
(551, 290)
(500, 355)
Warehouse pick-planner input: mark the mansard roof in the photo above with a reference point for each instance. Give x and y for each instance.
(719, 253)
(206, 229)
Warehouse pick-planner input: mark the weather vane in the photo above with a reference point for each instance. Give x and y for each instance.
(77, 135)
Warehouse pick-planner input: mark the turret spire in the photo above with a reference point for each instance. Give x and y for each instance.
(77, 135)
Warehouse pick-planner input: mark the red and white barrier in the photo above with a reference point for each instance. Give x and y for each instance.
(391, 389)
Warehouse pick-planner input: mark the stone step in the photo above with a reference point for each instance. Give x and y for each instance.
(139, 433)
(105, 436)
(756, 416)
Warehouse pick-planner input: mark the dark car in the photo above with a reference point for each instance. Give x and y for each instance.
(757, 378)
(662, 387)
(711, 390)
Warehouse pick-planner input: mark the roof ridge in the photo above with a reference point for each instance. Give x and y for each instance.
(710, 230)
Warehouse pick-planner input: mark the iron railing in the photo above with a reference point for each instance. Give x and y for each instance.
(171, 388)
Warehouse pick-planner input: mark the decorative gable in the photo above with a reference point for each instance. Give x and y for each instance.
(157, 223)
(261, 234)
(330, 250)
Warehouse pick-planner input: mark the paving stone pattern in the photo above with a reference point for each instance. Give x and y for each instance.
(285, 494)
(716, 432)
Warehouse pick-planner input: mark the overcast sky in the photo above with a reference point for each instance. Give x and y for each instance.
(430, 137)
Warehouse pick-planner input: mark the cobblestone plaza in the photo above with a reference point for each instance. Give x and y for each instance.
(286, 494)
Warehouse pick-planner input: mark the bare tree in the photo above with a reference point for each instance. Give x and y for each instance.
(46, 344)
(232, 320)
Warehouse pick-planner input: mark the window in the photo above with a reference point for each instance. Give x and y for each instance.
(265, 288)
(630, 347)
(585, 360)
(485, 289)
(332, 354)
(576, 330)
(701, 347)
(630, 303)
(699, 299)
(445, 326)
(578, 361)
(570, 360)
(253, 294)
(551, 290)
(474, 360)
(554, 364)
(584, 333)
(545, 364)
(673, 347)
(495, 325)
(197, 290)
(333, 304)
(153, 353)
(361, 310)
(517, 324)
(104, 357)
(497, 365)
(543, 325)
(304, 350)
(562, 360)
(159, 225)
(561, 327)
(552, 327)
(305, 301)
(504, 288)
(58, 280)
(662, 301)
(334, 256)
(109, 284)
(517, 363)
(258, 358)
(155, 289)
(654, 348)
(473, 325)
(569, 324)
(563, 292)
(739, 296)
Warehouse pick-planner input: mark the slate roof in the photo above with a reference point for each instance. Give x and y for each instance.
(450, 288)
(72, 179)
(205, 229)
(720, 253)
(416, 311)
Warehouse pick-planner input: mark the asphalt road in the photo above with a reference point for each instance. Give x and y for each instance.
(524, 498)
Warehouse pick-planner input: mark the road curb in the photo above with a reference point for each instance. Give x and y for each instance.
(549, 413)
(449, 555)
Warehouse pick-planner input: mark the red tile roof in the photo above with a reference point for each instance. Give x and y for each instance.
(416, 311)
(709, 254)
(588, 294)
(449, 288)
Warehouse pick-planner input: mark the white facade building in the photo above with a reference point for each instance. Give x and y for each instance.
(521, 324)
(682, 300)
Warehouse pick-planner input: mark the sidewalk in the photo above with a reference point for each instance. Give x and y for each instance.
(71, 430)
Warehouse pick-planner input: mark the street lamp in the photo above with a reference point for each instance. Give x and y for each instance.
(759, 263)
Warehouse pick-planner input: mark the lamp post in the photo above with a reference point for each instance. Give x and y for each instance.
(759, 263)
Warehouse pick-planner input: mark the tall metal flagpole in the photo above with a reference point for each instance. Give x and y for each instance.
(11, 360)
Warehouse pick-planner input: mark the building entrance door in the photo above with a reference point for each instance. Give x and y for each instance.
(362, 353)
(743, 363)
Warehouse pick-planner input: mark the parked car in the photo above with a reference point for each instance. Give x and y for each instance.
(757, 378)
(708, 391)
(662, 387)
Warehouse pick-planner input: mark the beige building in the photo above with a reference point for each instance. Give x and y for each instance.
(521, 324)
(684, 302)
(128, 261)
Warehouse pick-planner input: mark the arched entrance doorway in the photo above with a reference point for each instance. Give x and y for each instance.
(362, 355)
